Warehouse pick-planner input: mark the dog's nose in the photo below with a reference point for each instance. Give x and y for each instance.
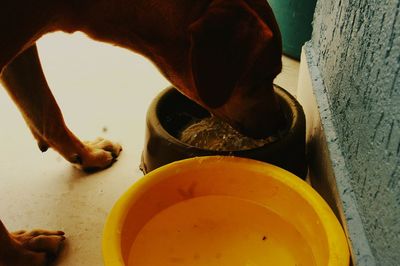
(255, 113)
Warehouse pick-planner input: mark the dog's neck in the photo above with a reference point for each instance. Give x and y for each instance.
(156, 29)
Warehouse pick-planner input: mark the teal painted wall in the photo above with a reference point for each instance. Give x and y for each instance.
(294, 18)
(357, 48)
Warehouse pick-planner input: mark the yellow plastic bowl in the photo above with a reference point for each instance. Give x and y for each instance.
(222, 211)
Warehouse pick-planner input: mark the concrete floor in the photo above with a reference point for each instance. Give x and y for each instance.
(102, 91)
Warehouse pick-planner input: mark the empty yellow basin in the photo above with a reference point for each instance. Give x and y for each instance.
(222, 211)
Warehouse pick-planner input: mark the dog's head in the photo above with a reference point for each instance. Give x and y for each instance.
(235, 55)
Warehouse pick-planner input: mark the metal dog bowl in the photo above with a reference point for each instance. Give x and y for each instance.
(170, 112)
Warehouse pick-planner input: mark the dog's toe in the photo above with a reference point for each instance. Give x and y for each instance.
(50, 244)
(38, 246)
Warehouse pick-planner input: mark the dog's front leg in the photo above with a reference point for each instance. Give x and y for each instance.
(26, 84)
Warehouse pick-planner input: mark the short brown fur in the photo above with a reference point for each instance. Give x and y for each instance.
(223, 54)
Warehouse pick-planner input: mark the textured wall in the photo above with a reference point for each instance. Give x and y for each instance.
(357, 48)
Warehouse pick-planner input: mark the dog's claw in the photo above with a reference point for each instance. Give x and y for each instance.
(43, 146)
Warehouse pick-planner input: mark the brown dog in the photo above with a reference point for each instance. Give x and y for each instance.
(223, 54)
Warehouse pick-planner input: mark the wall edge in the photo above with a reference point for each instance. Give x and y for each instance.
(326, 158)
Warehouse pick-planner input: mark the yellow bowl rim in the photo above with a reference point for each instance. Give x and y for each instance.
(337, 241)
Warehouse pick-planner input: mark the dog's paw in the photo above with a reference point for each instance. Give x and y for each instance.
(99, 154)
(36, 248)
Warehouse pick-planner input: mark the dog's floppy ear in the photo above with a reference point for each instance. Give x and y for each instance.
(225, 42)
